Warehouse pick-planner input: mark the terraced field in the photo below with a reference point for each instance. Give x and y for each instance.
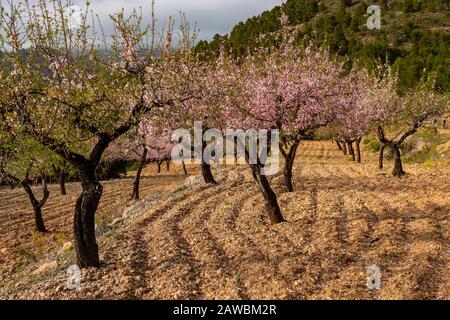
(215, 242)
(21, 244)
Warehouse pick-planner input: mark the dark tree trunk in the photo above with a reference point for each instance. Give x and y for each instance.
(87, 203)
(159, 163)
(168, 165)
(206, 168)
(381, 158)
(270, 198)
(344, 148)
(435, 126)
(62, 174)
(351, 151)
(339, 145)
(38, 220)
(395, 146)
(137, 178)
(358, 149)
(287, 174)
(37, 205)
(398, 167)
(289, 164)
(84, 219)
(207, 173)
(184, 168)
(62, 182)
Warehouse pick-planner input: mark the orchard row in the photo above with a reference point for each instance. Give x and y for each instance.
(72, 97)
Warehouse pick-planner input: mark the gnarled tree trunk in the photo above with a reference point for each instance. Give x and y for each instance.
(351, 151)
(168, 164)
(37, 205)
(344, 148)
(62, 173)
(184, 168)
(395, 146)
(207, 173)
(398, 166)
(62, 182)
(339, 145)
(137, 177)
(159, 163)
(270, 198)
(84, 219)
(381, 157)
(289, 164)
(358, 149)
(206, 168)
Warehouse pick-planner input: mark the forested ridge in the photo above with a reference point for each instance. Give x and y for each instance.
(414, 35)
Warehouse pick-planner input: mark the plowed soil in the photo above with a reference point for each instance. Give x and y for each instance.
(215, 242)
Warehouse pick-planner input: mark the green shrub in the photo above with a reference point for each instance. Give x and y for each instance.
(132, 166)
(372, 144)
(422, 147)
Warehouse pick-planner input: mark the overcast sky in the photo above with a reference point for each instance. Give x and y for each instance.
(212, 16)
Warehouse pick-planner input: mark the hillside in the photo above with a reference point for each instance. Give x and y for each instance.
(414, 37)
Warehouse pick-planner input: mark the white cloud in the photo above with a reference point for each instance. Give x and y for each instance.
(211, 16)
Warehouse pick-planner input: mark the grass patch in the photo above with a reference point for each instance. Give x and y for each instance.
(60, 239)
(372, 144)
(104, 228)
(422, 148)
(132, 166)
(180, 189)
(26, 254)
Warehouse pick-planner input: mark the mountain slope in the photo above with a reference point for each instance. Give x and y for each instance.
(414, 37)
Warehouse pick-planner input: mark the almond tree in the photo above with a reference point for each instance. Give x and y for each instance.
(294, 90)
(69, 91)
(237, 114)
(61, 170)
(289, 88)
(147, 142)
(359, 114)
(407, 116)
(207, 89)
(21, 161)
(138, 153)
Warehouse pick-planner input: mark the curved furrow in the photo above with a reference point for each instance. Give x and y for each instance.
(392, 247)
(57, 221)
(328, 246)
(139, 261)
(218, 273)
(51, 211)
(428, 255)
(254, 272)
(174, 271)
(259, 241)
(348, 280)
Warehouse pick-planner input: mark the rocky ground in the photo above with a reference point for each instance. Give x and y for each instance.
(191, 241)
